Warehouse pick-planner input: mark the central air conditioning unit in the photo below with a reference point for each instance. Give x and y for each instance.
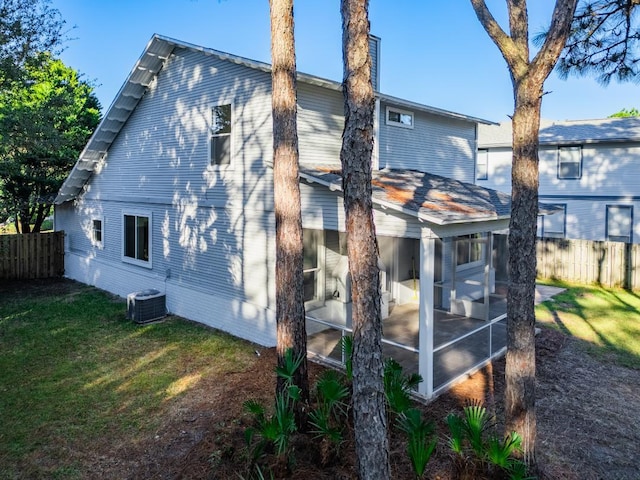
(146, 306)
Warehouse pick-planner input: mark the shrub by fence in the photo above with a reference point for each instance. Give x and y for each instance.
(611, 264)
(32, 255)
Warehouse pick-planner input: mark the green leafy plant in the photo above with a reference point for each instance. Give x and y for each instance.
(421, 439)
(479, 450)
(346, 345)
(500, 452)
(398, 386)
(326, 420)
(275, 430)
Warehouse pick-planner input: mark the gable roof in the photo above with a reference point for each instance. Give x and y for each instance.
(150, 63)
(435, 199)
(570, 132)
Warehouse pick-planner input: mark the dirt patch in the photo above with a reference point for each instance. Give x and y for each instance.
(588, 425)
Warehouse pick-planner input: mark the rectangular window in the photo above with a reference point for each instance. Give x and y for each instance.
(96, 232)
(399, 118)
(482, 165)
(469, 249)
(569, 162)
(137, 239)
(619, 223)
(313, 259)
(220, 143)
(553, 225)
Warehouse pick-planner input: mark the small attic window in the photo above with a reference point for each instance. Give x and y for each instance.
(399, 118)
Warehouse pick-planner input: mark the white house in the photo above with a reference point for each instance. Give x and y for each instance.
(173, 192)
(589, 170)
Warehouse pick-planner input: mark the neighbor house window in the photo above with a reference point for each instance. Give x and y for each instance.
(554, 225)
(482, 165)
(220, 143)
(399, 118)
(569, 162)
(619, 223)
(96, 231)
(469, 249)
(137, 239)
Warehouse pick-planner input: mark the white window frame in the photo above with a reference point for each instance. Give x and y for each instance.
(401, 112)
(482, 158)
(618, 238)
(571, 148)
(136, 261)
(471, 239)
(211, 135)
(319, 269)
(94, 241)
(546, 221)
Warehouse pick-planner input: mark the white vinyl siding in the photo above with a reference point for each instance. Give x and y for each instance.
(163, 151)
(438, 145)
(212, 228)
(320, 124)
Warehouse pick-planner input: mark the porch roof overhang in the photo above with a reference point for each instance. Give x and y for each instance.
(431, 198)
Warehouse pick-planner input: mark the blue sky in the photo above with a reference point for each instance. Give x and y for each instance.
(433, 51)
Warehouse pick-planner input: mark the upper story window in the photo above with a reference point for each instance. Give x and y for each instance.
(137, 239)
(554, 225)
(399, 118)
(220, 143)
(96, 231)
(619, 223)
(570, 162)
(482, 165)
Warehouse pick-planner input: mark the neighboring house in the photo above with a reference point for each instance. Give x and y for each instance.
(174, 192)
(589, 170)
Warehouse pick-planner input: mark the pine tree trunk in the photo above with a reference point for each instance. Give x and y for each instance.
(372, 447)
(528, 77)
(520, 370)
(290, 314)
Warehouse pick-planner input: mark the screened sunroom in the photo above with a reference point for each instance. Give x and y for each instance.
(443, 311)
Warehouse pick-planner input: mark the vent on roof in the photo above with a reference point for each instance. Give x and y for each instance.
(146, 306)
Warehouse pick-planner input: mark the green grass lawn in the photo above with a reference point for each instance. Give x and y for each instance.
(608, 320)
(73, 370)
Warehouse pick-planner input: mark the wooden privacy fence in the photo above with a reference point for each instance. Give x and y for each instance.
(31, 255)
(611, 264)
